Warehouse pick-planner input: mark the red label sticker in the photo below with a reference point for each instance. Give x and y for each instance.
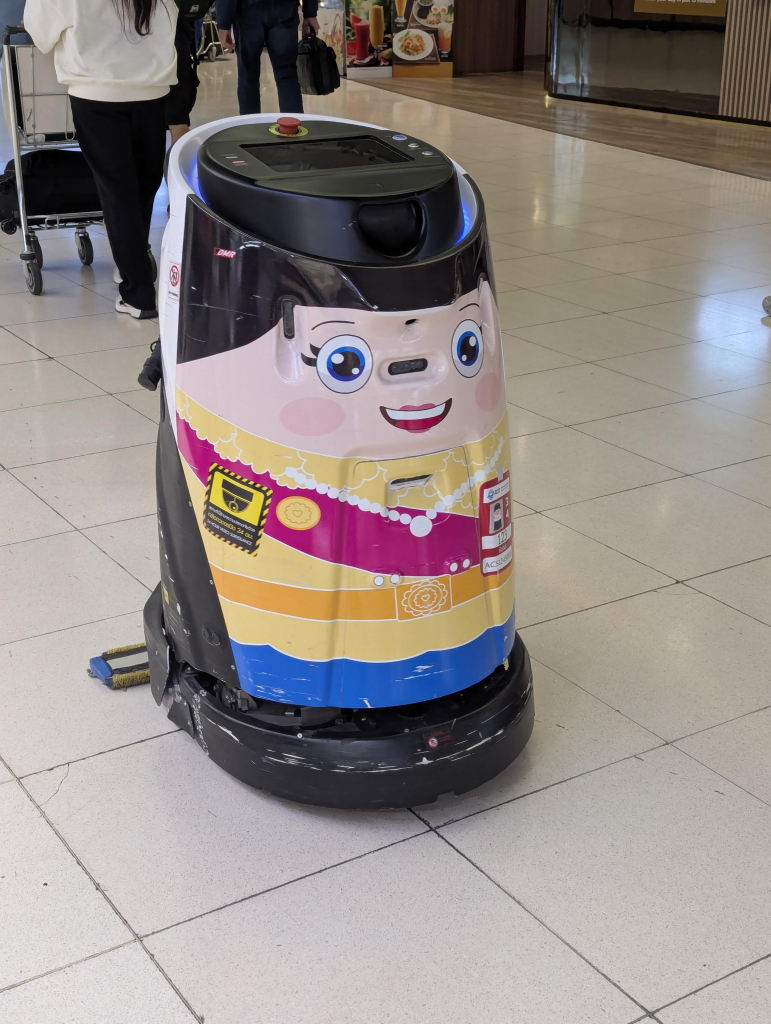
(495, 525)
(437, 738)
(174, 276)
(227, 253)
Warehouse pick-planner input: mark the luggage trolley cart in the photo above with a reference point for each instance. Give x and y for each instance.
(209, 45)
(38, 114)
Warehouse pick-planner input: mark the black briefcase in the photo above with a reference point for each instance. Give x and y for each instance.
(316, 66)
(55, 181)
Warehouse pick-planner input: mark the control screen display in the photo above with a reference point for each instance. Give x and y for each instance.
(326, 154)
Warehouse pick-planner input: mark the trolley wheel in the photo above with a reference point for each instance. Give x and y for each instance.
(211, 54)
(8, 226)
(153, 264)
(38, 250)
(33, 277)
(85, 248)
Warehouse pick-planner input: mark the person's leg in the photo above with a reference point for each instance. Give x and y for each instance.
(148, 139)
(282, 49)
(105, 137)
(182, 95)
(250, 42)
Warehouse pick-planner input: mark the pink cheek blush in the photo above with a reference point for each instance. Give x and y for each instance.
(312, 417)
(488, 392)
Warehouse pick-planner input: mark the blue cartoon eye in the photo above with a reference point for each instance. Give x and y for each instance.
(344, 364)
(467, 348)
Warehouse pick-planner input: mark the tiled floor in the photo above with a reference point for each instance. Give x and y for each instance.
(619, 871)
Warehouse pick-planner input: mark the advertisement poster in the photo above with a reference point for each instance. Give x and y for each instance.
(422, 40)
(368, 38)
(331, 18)
(694, 8)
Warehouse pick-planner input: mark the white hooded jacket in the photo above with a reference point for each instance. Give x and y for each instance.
(97, 53)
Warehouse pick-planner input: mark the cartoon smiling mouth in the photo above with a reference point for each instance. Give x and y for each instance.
(417, 418)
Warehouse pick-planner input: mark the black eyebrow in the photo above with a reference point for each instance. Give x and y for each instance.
(468, 306)
(333, 322)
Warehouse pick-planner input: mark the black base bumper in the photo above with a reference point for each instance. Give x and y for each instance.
(384, 757)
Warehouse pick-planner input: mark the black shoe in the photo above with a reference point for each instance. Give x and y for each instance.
(152, 371)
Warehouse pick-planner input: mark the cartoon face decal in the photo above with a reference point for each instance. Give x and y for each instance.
(355, 382)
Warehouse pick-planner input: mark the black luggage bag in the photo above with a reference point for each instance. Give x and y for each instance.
(56, 181)
(316, 67)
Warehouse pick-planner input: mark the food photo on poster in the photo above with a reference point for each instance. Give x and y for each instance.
(422, 40)
(368, 38)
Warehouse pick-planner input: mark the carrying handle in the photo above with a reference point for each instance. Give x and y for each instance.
(11, 30)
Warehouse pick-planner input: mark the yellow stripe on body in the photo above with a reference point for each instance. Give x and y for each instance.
(383, 640)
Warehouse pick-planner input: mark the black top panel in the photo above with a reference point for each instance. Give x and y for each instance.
(338, 191)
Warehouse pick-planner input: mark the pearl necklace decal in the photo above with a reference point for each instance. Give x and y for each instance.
(420, 525)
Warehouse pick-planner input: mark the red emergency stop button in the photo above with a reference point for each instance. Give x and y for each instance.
(288, 126)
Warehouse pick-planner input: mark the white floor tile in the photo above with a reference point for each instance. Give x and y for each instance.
(612, 293)
(547, 240)
(543, 270)
(145, 402)
(753, 402)
(13, 350)
(682, 527)
(68, 429)
(737, 750)
(599, 337)
(696, 370)
(746, 587)
(575, 394)
(523, 309)
(93, 489)
(753, 343)
(750, 479)
(559, 571)
(61, 581)
(38, 382)
(113, 370)
(60, 299)
(624, 257)
(133, 544)
(662, 659)
(443, 939)
(573, 733)
(701, 277)
(88, 334)
(131, 813)
(653, 868)
(697, 319)
(741, 997)
(23, 516)
(521, 421)
(525, 357)
(559, 467)
(52, 914)
(121, 987)
(691, 437)
(82, 716)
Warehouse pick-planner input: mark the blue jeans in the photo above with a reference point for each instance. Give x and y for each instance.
(271, 23)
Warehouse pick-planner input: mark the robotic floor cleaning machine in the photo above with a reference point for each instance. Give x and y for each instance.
(335, 618)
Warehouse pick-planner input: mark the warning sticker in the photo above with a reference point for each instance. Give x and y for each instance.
(235, 509)
(174, 276)
(495, 525)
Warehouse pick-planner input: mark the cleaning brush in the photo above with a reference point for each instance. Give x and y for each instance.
(121, 667)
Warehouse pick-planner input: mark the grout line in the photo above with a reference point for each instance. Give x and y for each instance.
(551, 785)
(99, 889)
(535, 917)
(65, 967)
(80, 455)
(64, 629)
(717, 725)
(98, 753)
(709, 984)
(291, 881)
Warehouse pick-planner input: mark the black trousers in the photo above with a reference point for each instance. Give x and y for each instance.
(271, 23)
(125, 145)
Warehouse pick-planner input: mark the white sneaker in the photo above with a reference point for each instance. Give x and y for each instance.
(138, 314)
(116, 276)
